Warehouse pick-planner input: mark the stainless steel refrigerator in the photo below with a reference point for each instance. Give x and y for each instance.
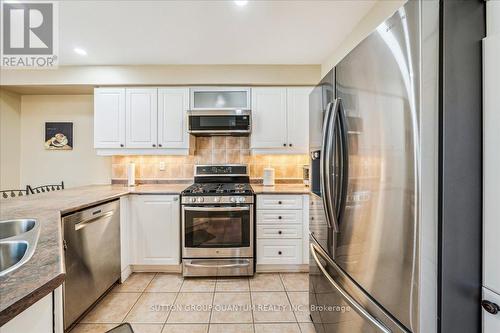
(375, 194)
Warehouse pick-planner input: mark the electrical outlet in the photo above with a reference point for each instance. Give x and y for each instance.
(162, 166)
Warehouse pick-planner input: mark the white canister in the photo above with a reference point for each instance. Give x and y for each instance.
(131, 174)
(268, 179)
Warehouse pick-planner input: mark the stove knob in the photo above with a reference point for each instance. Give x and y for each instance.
(200, 199)
(192, 199)
(233, 199)
(241, 199)
(216, 199)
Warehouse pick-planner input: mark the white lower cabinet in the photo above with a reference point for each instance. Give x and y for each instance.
(279, 251)
(155, 229)
(282, 224)
(38, 318)
(491, 322)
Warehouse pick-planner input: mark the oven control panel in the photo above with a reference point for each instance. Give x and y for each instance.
(214, 200)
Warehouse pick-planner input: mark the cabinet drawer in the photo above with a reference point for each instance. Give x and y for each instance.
(279, 216)
(279, 231)
(279, 202)
(279, 251)
(315, 203)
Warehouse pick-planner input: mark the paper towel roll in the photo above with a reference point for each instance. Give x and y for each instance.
(268, 179)
(131, 174)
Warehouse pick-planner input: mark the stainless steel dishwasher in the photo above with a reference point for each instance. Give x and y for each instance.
(92, 257)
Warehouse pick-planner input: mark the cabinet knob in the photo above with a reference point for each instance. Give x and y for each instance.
(279, 252)
(159, 145)
(154, 145)
(491, 307)
(280, 217)
(121, 145)
(312, 218)
(280, 232)
(284, 145)
(279, 202)
(290, 144)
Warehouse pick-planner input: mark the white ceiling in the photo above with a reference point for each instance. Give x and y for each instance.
(204, 32)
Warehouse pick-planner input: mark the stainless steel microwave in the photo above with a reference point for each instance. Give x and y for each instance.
(220, 122)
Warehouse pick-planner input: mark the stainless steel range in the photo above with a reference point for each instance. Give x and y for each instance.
(218, 222)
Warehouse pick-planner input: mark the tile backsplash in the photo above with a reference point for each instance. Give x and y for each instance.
(210, 150)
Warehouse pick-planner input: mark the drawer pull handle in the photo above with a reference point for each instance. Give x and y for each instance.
(280, 202)
(279, 252)
(280, 232)
(280, 217)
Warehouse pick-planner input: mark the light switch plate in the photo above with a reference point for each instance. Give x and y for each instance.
(162, 166)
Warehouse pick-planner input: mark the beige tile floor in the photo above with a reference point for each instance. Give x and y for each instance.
(167, 303)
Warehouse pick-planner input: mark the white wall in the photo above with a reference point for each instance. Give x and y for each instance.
(492, 18)
(80, 166)
(379, 12)
(10, 147)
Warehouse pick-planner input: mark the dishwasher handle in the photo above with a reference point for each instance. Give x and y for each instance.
(83, 223)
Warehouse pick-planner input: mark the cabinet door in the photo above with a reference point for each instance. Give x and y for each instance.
(298, 119)
(141, 111)
(109, 117)
(268, 118)
(38, 318)
(173, 104)
(156, 229)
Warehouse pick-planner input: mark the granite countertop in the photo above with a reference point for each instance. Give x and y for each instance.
(281, 189)
(45, 270)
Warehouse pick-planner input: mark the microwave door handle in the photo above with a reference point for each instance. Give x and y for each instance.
(326, 121)
(216, 209)
(315, 250)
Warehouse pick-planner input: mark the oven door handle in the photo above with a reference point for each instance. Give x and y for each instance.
(247, 263)
(216, 209)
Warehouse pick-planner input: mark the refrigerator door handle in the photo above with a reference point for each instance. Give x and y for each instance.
(323, 161)
(331, 210)
(344, 173)
(345, 295)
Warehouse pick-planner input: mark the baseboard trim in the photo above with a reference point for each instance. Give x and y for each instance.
(282, 268)
(125, 274)
(157, 268)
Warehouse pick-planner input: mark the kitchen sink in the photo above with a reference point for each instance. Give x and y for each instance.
(11, 228)
(11, 253)
(18, 239)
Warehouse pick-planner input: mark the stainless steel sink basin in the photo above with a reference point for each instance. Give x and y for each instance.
(11, 253)
(18, 239)
(11, 228)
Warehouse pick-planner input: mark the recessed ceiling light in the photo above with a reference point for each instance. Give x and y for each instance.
(241, 3)
(80, 51)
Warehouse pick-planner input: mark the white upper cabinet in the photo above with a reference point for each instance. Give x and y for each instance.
(109, 117)
(269, 118)
(173, 104)
(298, 119)
(280, 121)
(142, 122)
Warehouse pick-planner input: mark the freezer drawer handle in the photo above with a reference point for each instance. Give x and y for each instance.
(491, 307)
(84, 223)
(359, 309)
